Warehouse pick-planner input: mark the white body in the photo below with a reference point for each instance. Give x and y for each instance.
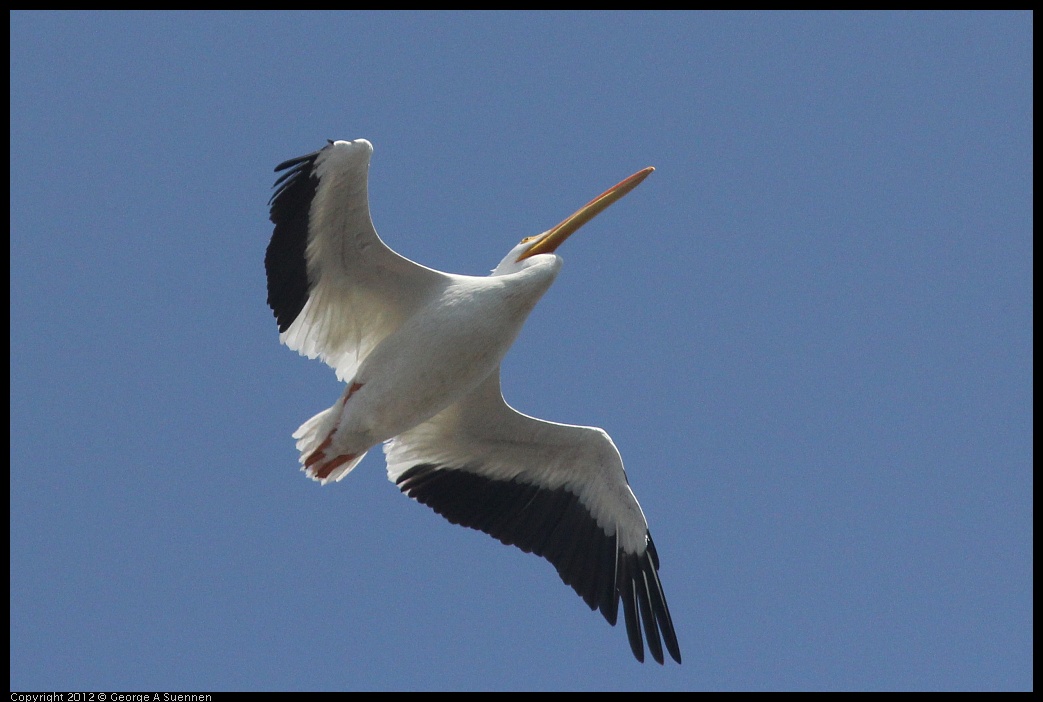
(464, 331)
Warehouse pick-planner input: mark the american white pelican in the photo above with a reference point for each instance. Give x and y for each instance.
(420, 352)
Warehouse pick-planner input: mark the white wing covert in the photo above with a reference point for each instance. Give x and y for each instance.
(555, 490)
(336, 289)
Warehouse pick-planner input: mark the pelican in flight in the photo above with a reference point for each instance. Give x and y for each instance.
(419, 352)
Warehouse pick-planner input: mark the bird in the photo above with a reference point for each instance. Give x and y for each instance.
(419, 353)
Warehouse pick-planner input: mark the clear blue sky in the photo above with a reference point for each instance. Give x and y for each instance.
(809, 333)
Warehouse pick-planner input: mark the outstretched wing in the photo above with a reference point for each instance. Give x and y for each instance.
(336, 289)
(555, 490)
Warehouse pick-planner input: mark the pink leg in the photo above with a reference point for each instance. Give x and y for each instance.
(324, 471)
(319, 454)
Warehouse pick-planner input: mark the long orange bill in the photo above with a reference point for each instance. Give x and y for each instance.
(554, 237)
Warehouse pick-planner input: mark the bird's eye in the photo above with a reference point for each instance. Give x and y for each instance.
(527, 239)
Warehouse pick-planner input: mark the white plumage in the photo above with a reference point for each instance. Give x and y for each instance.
(420, 352)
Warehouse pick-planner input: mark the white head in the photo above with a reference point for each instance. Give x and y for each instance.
(518, 258)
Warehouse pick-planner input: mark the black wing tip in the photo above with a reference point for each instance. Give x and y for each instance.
(554, 524)
(659, 612)
(291, 162)
(285, 260)
(644, 605)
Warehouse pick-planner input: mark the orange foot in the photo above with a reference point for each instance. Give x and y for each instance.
(324, 469)
(318, 456)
